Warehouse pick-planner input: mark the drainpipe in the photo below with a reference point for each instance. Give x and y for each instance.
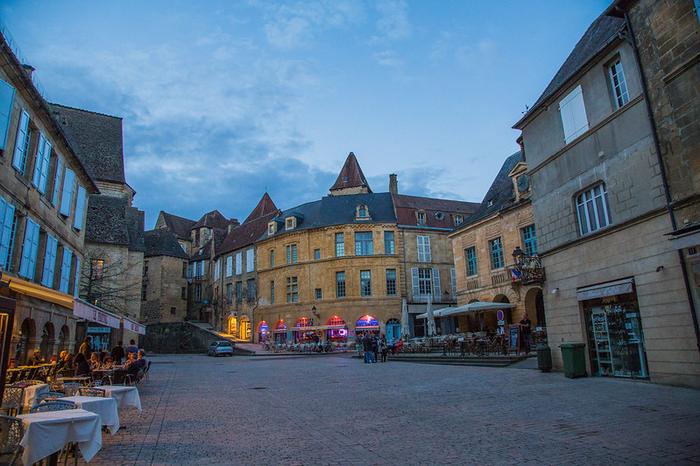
(664, 179)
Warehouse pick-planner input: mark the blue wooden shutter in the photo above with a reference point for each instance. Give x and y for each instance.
(19, 157)
(47, 273)
(29, 249)
(76, 285)
(68, 186)
(65, 269)
(41, 163)
(57, 180)
(79, 209)
(414, 282)
(7, 221)
(7, 95)
(437, 291)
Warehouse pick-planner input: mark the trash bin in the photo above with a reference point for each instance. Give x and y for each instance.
(544, 357)
(574, 356)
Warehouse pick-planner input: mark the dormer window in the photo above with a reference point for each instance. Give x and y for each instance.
(362, 212)
(490, 203)
(421, 217)
(439, 215)
(458, 219)
(271, 228)
(290, 223)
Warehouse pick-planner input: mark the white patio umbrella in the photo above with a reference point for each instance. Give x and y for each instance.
(430, 324)
(405, 328)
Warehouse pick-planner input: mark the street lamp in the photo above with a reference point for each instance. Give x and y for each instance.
(518, 255)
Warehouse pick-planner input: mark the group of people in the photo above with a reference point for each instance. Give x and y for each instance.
(374, 346)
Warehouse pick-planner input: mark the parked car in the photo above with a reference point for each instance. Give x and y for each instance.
(219, 348)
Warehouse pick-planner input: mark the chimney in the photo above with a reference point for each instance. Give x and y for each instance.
(29, 69)
(393, 184)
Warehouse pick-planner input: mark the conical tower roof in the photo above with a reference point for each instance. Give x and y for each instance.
(264, 207)
(351, 180)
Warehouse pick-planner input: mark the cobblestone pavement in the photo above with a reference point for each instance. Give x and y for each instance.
(334, 410)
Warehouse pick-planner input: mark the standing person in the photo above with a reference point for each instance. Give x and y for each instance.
(118, 353)
(132, 348)
(385, 348)
(367, 348)
(525, 325)
(375, 348)
(85, 349)
(82, 367)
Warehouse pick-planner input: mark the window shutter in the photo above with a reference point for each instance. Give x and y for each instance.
(419, 248)
(426, 246)
(453, 281)
(76, 286)
(57, 180)
(65, 269)
(7, 95)
(79, 209)
(573, 115)
(7, 220)
(68, 187)
(414, 282)
(437, 291)
(43, 156)
(49, 261)
(29, 249)
(18, 158)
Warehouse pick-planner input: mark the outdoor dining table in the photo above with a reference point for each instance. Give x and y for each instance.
(106, 408)
(126, 396)
(31, 392)
(46, 433)
(82, 379)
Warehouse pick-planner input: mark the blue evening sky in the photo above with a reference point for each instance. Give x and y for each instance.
(224, 99)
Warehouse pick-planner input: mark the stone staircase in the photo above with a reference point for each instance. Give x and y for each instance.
(438, 358)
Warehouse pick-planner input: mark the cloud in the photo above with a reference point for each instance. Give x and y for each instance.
(388, 58)
(393, 23)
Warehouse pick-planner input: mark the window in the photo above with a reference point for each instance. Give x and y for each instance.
(291, 253)
(496, 249)
(529, 240)
(423, 248)
(250, 260)
(458, 219)
(239, 292)
(251, 292)
(362, 212)
(290, 223)
(318, 293)
(573, 115)
(29, 250)
(592, 209)
(65, 269)
(217, 269)
(618, 83)
(229, 293)
(365, 283)
(339, 244)
(364, 245)
(239, 263)
(272, 292)
(7, 95)
(470, 259)
(391, 282)
(42, 161)
(98, 267)
(317, 254)
(198, 293)
(425, 281)
(7, 233)
(68, 187)
(79, 209)
(183, 292)
(439, 215)
(47, 273)
(421, 217)
(340, 284)
(199, 269)
(173, 310)
(57, 180)
(389, 244)
(292, 290)
(271, 228)
(19, 158)
(229, 266)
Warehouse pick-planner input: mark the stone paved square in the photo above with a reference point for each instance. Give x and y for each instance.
(335, 410)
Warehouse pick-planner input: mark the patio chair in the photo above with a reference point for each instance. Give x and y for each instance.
(33, 372)
(48, 396)
(91, 391)
(11, 433)
(71, 388)
(55, 405)
(11, 377)
(12, 400)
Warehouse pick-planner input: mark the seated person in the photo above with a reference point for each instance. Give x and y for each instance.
(82, 367)
(107, 363)
(36, 359)
(94, 361)
(141, 360)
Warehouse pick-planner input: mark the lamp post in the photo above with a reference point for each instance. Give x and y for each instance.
(518, 255)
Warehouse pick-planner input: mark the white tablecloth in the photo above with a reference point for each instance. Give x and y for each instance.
(47, 433)
(105, 407)
(30, 394)
(126, 396)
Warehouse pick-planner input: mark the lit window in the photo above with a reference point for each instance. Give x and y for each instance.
(592, 209)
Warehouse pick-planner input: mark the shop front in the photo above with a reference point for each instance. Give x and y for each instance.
(263, 332)
(366, 324)
(614, 329)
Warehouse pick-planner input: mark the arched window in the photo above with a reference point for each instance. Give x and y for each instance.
(367, 321)
(303, 322)
(592, 209)
(263, 327)
(281, 325)
(336, 321)
(362, 212)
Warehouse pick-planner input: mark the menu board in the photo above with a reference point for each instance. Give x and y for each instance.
(513, 337)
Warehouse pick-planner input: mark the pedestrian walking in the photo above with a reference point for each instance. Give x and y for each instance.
(525, 325)
(85, 348)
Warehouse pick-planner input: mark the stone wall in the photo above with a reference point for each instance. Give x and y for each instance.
(164, 285)
(441, 258)
(177, 337)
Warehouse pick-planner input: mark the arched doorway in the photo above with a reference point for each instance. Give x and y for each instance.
(244, 328)
(263, 331)
(301, 335)
(47, 341)
(338, 332)
(366, 323)
(63, 338)
(281, 332)
(232, 325)
(26, 340)
(534, 306)
(393, 330)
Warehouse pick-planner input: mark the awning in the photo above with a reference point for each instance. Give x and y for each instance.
(134, 326)
(95, 314)
(602, 290)
(37, 291)
(467, 308)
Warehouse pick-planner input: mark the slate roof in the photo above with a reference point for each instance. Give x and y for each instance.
(162, 242)
(213, 219)
(254, 226)
(599, 35)
(500, 195)
(350, 175)
(110, 220)
(338, 210)
(406, 207)
(180, 226)
(96, 139)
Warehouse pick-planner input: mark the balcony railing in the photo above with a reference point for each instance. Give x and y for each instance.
(500, 278)
(473, 283)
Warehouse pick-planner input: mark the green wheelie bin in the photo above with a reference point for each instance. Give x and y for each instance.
(574, 356)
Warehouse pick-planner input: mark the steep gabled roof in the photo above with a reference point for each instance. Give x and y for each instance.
(600, 34)
(350, 175)
(162, 242)
(96, 139)
(213, 219)
(265, 207)
(407, 206)
(180, 226)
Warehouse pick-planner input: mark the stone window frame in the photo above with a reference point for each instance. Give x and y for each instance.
(581, 204)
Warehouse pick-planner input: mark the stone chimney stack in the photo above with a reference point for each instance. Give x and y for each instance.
(393, 184)
(29, 69)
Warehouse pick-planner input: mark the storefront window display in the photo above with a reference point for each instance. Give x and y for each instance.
(339, 333)
(615, 337)
(281, 332)
(263, 331)
(366, 323)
